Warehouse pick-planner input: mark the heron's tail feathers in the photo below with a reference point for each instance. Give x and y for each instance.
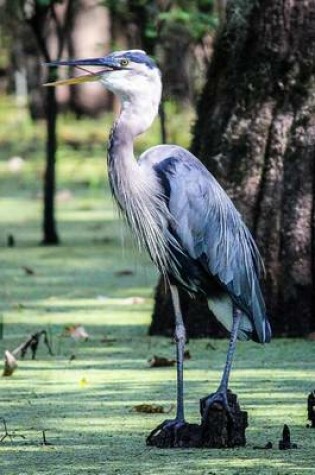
(267, 332)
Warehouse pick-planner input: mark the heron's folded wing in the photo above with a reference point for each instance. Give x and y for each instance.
(211, 230)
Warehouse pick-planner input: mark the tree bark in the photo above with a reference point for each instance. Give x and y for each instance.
(49, 223)
(175, 52)
(37, 22)
(41, 18)
(255, 131)
(88, 36)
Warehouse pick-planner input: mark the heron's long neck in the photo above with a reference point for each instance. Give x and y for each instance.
(126, 177)
(136, 188)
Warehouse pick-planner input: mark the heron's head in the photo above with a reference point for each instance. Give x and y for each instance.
(131, 75)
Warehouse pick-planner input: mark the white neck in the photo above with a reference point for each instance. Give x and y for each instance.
(124, 173)
(138, 115)
(137, 192)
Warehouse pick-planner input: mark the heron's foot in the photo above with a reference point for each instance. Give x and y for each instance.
(167, 434)
(218, 399)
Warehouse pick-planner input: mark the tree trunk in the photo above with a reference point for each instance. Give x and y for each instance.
(88, 37)
(50, 236)
(256, 133)
(175, 52)
(49, 224)
(193, 310)
(43, 19)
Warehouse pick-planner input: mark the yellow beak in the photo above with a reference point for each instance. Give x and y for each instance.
(76, 80)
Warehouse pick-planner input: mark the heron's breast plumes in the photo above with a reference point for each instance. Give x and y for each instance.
(139, 196)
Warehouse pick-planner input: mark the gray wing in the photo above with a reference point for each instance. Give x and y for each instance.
(211, 231)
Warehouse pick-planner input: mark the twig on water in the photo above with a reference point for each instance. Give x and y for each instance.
(45, 442)
(8, 434)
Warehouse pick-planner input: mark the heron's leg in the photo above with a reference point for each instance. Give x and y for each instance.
(172, 426)
(230, 354)
(221, 394)
(180, 338)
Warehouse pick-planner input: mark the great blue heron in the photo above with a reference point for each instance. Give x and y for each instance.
(180, 213)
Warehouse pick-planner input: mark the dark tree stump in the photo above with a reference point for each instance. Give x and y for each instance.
(185, 437)
(311, 408)
(285, 443)
(217, 431)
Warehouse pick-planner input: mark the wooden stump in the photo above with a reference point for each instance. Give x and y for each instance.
(185, 437)
(217, 430)
(311, 408)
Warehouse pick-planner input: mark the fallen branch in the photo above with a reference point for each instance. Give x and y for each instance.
(8, 434)
(32, 344)
(10, 357)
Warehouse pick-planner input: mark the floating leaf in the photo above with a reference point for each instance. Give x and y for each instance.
(28, 270)
(124, 272)
(107, 340)
(10, 364)
(77, 332)
(268, 446)
(152, 409)
(160, 362)
(132, 301)
(125, 301)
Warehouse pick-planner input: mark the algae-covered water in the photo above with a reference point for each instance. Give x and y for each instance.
(83, 395)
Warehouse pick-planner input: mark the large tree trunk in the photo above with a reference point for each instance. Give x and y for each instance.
(256, 133)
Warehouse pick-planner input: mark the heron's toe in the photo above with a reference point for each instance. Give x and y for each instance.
(166, 434)
(218, 398)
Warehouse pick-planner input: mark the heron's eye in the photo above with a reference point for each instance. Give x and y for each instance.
(124, 62)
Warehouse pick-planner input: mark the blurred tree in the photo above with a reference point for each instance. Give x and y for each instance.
(42, 17)
(169, 30)
(89, 36)
(256, 133)
(220, 6)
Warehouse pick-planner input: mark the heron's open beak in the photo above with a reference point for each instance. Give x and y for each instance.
(107, 64)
